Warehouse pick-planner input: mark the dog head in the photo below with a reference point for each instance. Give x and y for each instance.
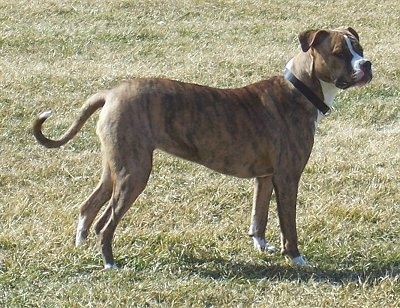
(337, 56)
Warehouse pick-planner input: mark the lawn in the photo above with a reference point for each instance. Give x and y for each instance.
(184, 242)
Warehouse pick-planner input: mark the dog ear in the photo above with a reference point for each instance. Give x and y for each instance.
(353, 32)
(311, 38)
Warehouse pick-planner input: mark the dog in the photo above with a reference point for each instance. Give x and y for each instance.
(264, 131)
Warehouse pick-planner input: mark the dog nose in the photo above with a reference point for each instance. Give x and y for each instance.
(366, 65)
(366, 68)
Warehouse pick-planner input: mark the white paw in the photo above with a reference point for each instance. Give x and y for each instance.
(81, 234)
(262, 245)
(79, 239)
(301, 261)
(111, 266)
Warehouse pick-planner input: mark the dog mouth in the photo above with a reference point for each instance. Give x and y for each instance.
(359, 77)
(342, 84)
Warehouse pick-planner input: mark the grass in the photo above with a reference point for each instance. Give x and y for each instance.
(184, 242)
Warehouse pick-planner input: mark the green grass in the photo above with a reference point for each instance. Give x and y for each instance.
(184, 242)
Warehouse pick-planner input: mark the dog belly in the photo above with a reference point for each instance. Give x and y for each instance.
(238, 168)
(240, 160)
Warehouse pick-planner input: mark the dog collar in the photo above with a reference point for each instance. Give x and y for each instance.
(306, 91)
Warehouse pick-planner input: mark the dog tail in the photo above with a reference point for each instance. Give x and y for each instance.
(89, 107)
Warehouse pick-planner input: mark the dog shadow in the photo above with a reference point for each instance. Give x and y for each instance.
(222, 269)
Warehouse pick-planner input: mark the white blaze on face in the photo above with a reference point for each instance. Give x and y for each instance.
(357, 59)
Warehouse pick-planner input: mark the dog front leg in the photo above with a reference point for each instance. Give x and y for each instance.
(259, 216)
(286, 188)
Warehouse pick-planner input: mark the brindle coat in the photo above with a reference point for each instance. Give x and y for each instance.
(263, 131)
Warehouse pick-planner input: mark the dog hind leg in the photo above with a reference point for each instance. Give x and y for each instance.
(91, 206)
(129, 182)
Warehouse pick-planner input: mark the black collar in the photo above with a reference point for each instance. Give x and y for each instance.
(306, 91)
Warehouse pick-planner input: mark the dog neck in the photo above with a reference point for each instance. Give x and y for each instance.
(329, 91)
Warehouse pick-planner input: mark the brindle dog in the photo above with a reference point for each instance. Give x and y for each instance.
(264, 131)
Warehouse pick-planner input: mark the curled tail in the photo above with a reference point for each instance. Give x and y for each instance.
(89, 107)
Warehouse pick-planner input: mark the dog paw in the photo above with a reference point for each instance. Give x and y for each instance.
(262, 245)
(81, 232)
(79, 239)
(301, 261)
(110, 266)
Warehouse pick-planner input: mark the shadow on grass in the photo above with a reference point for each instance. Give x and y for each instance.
(222, 269)
(219, 268)
(253, 271)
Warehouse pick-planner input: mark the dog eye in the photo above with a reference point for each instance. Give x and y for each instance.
(340, 54)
